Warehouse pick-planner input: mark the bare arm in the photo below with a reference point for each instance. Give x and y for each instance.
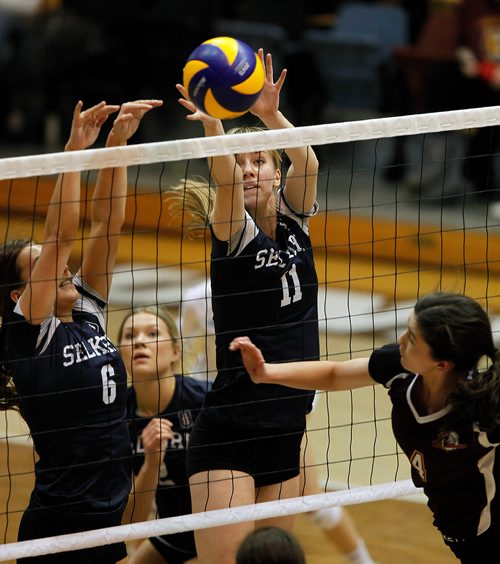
(154, 440)
(61, 223)
(229, 207)
(302, 176)
(108, 202)
(306, 375)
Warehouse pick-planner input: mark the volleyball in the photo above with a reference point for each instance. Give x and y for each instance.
(223, 77)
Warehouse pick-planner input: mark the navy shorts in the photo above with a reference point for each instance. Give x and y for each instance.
(39, 522)
(270, 456)
(175, 549)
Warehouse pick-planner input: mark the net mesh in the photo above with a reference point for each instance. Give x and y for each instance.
(380, 241)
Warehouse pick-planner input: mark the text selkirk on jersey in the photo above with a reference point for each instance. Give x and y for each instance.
(72, 386)
(267, 290)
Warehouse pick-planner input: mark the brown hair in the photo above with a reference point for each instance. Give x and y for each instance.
(456, 328)
(10, 278)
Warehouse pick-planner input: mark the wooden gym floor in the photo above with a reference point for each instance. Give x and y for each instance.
(399, 262)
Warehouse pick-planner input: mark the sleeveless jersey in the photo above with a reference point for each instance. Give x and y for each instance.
(267, 290)
(72, 386)
(172, 495)
(457, 469)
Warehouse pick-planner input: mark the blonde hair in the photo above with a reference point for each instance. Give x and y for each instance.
(170, 323)
(194, 197)
(275, 154)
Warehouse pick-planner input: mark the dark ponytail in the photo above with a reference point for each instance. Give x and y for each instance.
(458, 329)
(10, 279)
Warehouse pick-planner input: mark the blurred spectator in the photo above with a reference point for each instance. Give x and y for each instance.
(14, 17)
(67, 53)
(418, 12)
(472, 80)
(469, 79)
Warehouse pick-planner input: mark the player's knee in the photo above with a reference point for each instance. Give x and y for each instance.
(327, 518)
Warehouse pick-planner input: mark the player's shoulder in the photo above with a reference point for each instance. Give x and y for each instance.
(192, 386)
(385, 363)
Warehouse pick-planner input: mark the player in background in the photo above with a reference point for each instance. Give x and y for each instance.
(162, 405)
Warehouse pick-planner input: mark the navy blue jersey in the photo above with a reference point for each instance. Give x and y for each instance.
(457, 469)
(172, 496)
(72, 386)
(265, 289)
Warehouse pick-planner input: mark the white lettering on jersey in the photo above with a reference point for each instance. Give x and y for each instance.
(290, 283)
(108, 384)
(176, 443)
(99, 345)
(179, 441)
(273, 257)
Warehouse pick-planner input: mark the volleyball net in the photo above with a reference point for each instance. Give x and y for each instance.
(386, 233)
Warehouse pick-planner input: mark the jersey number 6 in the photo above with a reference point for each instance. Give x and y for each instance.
(108, 385)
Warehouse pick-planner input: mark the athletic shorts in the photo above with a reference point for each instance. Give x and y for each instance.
(175, 549)
(270, 456)
(39, 522)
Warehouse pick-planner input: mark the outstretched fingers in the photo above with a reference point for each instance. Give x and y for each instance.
(194, 114)
(130, 116)
(240, 343)
(267, 104)
(86, 125)
(251, 356)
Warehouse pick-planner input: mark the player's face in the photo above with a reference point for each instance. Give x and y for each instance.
(415, 353)
(146, 347)
(66, 291)
(260, 177)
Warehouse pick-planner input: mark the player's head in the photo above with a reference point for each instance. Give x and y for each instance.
(270, 545)
(273, 153)
(148, 339)
(10, 280)
(457, 333)
(261, 172)
(11, 274)
(17, 261)
(456, 328)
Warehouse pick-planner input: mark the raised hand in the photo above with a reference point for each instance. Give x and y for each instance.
(252, 358)
(129, 118)
(269, 100)
(195, 113)
(86, 125)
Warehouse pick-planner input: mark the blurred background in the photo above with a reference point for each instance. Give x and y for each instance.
(345, 59)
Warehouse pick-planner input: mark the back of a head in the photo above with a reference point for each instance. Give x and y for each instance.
(456, 328)
(270, 545)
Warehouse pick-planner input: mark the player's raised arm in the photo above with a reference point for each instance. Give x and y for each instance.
(108, 202)
(302, 177)
(229, 208)
(47, 269)
(306, 375)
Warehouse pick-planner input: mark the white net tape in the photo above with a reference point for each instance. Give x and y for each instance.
(205, 520)
(182, 149)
